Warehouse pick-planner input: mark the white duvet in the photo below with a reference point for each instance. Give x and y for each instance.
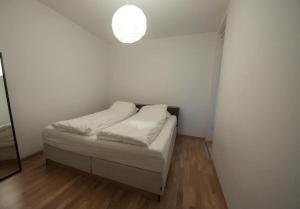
(5, 131)
(4, 127)
(92, 124)
(141, 129)
(6, 135)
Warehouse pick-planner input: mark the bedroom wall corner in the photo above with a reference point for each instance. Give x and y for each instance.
(175, 70)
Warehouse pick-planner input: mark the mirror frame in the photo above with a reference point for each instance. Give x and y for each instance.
(12, 124)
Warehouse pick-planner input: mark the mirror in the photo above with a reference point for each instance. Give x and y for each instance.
(9, 154)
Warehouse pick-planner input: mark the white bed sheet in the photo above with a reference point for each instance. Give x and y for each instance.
(151, 158)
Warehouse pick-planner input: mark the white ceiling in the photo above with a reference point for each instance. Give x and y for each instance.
(164, 17)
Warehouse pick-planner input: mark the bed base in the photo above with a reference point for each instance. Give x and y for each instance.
(8, 153)
(149, 195)
(71, 159)
(150, 182)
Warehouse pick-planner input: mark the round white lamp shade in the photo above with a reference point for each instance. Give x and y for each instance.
(129, 24)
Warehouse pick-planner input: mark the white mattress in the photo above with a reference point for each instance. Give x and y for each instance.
(151, 158)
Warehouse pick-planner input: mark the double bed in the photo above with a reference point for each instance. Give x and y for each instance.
(7, 144)
(142, 167)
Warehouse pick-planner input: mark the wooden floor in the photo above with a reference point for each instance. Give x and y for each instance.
(192, 183)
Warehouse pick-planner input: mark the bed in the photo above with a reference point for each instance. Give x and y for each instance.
(7, 144)
(145, 168)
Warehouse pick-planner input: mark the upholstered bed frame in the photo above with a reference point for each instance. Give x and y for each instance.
(146, 180)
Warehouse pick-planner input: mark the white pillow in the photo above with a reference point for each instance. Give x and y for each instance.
(156, 111)
(120, 106)
(169, 115)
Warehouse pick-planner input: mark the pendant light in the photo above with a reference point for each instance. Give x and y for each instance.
(129, 24)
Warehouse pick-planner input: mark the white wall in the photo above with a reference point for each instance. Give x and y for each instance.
(55, 69)
(4, 114)
(215, 82)
(176, 71)
(256, 145)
